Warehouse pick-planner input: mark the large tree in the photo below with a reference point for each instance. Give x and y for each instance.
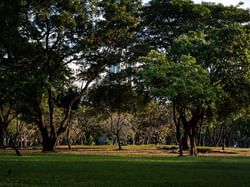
(59, 30)
(199, 32)
(165, 20)
(214, 79)
(63, 33)
(14, 70)
(186, 85)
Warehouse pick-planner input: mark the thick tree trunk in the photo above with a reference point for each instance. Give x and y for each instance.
(1, 136)
(192, 125)
(184, 141)
(53, 134)
(50, 134)
(49, 145)
(45, 137)
(113, 139)
(223, 139)
(118, 141)
(49, 140)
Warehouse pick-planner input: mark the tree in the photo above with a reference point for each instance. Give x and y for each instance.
(62, 33)
(58, 29)
(186, 85)
(14, 50)
(115, 102)
(153, 123)
(88, 122)
(241, 130)
(200, 33)
(163, 21)
(120, 19)
(224, 54)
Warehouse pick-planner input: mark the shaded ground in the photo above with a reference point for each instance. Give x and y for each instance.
(57, 169)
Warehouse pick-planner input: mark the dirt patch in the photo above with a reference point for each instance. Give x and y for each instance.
(153, 151)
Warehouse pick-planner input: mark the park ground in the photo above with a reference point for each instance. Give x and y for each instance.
(133, 166)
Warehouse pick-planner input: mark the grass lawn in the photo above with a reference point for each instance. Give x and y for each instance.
(85, 170)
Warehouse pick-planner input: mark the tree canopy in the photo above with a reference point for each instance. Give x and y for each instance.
(57, 56)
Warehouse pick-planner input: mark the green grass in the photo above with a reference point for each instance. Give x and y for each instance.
(80, 170)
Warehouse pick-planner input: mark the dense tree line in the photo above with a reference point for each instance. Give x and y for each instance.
(181, 73)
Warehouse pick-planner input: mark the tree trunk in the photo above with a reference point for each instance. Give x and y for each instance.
(133, 137)
(113, 139)
(223, 139)
(193, 150)
(148, 140)
(184, 141)
(53, 143)
(12, 143)
(223, 144)
(207, 137)
(68, 138)
(179, 139)
(192, 137)
(118, 141)
(218, 136)
(178, 130)
(50, 134)
(199, 139)
(1, 137)
(49, 145)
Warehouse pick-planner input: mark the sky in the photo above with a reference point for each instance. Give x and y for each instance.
(225, 2)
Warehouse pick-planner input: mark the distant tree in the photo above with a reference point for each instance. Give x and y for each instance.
(240, 135)
(154, 123)
(114, 101)
(88, 122)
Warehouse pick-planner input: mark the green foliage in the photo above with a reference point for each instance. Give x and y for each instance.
(164, 21)
(155, 116)
(89, 122)
(50, 36)
(224, 54)
(114, 98)
(185, 82)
